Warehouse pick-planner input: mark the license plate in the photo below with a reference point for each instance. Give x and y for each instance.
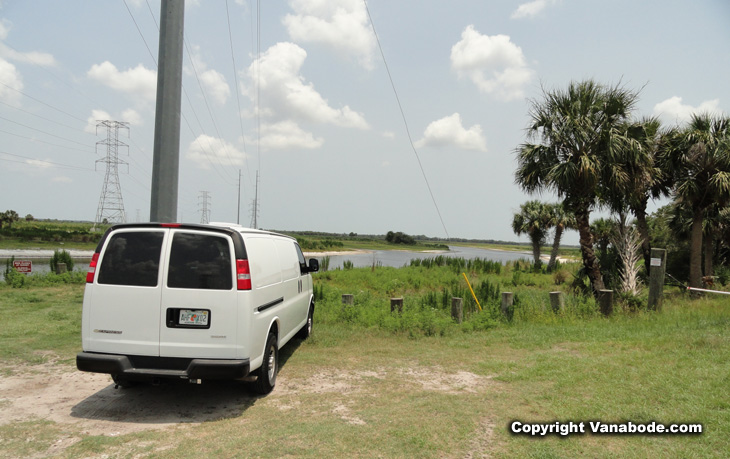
(194, 317)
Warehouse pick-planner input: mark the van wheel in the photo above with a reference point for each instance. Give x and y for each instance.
(122, 382)
(266, 374)
(307, 328)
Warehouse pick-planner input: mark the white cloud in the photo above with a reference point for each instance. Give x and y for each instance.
(213, 82)
(38, 163)
(342, 25)
(449, 132)
(493, 63)
(62, 179)
(138, 81)
(672, 110)
(207, 150)
(285, 94)
(287, 134)
(132, 117)
(93, 120)
(531, 9)
(30, 57)
(12, 82)
(216, 85)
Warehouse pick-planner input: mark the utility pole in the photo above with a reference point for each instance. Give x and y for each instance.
(238, 209)
(204, 207)
(166, 157)
(111, 205)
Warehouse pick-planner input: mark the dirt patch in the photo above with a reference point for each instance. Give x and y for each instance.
(89, 400)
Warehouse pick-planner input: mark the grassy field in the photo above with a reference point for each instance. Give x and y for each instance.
(371, 384)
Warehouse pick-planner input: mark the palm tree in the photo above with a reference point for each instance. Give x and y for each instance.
(603, 229)
(647, 177)
(577, 154)
(561, 220)
(533, 220)
(699, 157)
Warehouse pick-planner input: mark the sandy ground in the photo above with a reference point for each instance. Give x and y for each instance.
(89, 401)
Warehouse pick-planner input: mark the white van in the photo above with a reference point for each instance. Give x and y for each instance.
(193, 302)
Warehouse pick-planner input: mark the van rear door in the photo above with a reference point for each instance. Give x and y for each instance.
(198, 316)
(122, 306)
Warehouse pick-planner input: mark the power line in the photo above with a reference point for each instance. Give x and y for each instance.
(44, 132)
(66, 166)
(41, 102)
(405, 122)
(238, 97)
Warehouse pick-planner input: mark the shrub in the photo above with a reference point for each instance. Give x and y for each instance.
(61, 257)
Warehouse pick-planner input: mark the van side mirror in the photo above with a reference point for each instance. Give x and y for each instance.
(313, 265)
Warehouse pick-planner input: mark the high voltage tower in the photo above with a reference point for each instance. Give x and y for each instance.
(255, 205)
(204, 207)
(111, 206)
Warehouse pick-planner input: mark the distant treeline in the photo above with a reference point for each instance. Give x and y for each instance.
(383, 237)
(52, 231)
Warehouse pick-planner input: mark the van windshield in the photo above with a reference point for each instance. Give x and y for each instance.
(200, 261)
(132, 258)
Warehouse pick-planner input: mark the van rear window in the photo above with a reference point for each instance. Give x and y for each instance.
(200, 261)
(132, 258)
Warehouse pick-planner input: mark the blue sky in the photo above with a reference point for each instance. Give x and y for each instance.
(310, 105)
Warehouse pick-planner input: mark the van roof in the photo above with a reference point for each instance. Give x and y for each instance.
(243, 229)
(199, 226)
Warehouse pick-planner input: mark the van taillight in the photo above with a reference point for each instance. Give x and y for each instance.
(243, 275)
(92, 268)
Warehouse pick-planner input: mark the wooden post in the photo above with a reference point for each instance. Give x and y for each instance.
(507, 301)
(348, 300)
(605, 301)
(61, 268)
(457, 310)
(396, 304)
(557, 301)
(656, 278)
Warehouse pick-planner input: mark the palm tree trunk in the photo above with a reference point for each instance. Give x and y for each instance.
(695, 251)
(536, 252)
(708, 242)
(643, 227)
(556, 246)
(590, 262)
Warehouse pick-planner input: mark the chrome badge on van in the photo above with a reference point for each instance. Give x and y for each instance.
(111, 332)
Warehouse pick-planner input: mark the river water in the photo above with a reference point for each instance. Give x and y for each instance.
(392, 258)
(399, 258)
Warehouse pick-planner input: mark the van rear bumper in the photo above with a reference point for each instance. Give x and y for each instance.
(141, 367)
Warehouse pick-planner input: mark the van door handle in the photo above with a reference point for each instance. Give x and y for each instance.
(300, 286)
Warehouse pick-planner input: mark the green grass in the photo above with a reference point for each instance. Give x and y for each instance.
(357, 389)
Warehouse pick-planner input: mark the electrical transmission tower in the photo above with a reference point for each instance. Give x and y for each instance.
(111, 206)
(204, 207)
(255, 205)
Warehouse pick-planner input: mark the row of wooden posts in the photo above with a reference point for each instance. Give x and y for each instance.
(557, 303)
(557, 299)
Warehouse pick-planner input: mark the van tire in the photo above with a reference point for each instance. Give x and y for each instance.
(266, 374)
(306, 330)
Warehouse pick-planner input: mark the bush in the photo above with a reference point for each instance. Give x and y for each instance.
(61, 257)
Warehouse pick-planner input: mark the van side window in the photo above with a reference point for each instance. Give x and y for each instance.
(302, 261)
(132, 258)
(200, 261)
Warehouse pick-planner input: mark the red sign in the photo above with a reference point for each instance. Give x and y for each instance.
(23, 266)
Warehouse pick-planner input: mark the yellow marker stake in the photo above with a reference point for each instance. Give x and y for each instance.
(472, 291)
